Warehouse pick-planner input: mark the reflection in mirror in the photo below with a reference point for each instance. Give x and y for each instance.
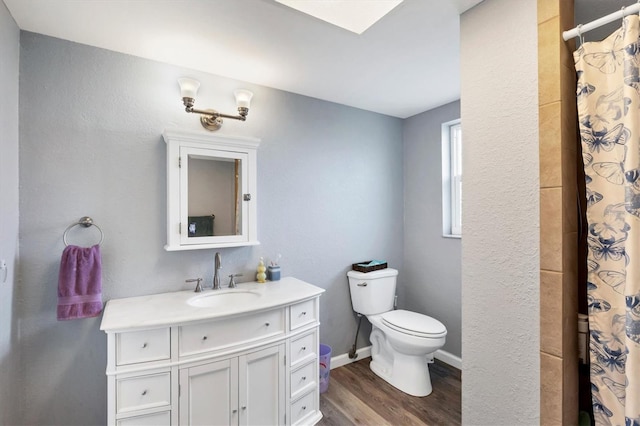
(214, 199)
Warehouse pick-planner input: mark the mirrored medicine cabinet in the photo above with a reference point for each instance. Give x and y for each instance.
(211, 190)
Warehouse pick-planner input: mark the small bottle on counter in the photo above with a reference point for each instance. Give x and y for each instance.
(261, 276)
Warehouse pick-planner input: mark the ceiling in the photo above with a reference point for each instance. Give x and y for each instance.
(406, 63)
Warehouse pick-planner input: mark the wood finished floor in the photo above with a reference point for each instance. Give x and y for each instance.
(356, 396)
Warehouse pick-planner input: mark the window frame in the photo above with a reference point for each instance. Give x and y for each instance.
(452, 179)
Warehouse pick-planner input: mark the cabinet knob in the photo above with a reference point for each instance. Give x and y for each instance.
(144, 345)
(204, 337)
(304, 348)
(144, 392)
(304, 377)
(303, 313)
(267, 324)
(304, 407)
(244, 407)
(234, 411)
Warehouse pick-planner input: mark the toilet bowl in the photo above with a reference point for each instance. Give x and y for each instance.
(401, 356)
(402, 342)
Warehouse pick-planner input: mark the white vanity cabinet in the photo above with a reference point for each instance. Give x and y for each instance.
(139, 377)
(303, 363)
(246, 390)
(246, 365)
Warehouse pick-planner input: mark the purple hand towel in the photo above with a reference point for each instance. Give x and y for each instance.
(80, 283)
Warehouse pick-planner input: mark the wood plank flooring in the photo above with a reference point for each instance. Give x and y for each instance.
(356, 396)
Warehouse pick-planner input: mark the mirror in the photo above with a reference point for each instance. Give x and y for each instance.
(211, 198)
(214, 198)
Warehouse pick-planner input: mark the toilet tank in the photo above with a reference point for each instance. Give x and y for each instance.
(372, 292)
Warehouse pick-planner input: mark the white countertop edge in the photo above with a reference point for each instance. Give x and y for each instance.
(171, 309)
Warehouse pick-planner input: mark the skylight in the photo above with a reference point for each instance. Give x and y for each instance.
(353, 15)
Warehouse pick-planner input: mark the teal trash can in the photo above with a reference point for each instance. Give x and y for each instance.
(325, 367)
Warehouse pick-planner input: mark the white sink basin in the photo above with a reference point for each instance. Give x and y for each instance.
(217, 298)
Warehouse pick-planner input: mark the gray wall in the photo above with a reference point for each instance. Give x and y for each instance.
(430, 279)
(9, 349)
(330, 193)
(500, 214)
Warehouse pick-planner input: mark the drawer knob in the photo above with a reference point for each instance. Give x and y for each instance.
(267, 324)
(204, 337)
(304, 348)
(303, 313)
(234, 411)
(304, 377)
(144, 392)
(304, 407)
(144, 345)
(244, 407)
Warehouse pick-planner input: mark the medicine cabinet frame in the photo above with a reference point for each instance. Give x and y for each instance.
(183, 145)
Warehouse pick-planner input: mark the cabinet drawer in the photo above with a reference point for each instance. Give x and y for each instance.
(304, 348)
(303, 407)
(155, 419)
(143, 346)
(142, 392)
(303, 378)
(214, 335)
(303, 313)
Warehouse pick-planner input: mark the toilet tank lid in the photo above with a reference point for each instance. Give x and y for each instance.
(380, 273)
(414, 322)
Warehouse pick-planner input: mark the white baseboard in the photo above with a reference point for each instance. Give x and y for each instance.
(446, 357)
(340, 360)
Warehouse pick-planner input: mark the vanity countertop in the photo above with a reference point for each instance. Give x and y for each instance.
(165, 309)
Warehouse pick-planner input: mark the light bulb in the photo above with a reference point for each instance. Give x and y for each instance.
(243, 98)
(188, 87)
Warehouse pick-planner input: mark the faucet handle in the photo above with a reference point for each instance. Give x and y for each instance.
(232, 283)
(198, 286)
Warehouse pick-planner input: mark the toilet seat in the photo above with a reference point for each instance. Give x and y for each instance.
(414, 324)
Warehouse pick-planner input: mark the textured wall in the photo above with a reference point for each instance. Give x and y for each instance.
(500, 246)
(431, 275)
(9, 349)
(329, 183)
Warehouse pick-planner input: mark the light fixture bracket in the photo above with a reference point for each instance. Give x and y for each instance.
(211, 122)
(210, 118)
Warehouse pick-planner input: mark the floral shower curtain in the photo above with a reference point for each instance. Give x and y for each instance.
(608, 96)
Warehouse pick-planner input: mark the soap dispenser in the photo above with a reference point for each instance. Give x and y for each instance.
(261, 276)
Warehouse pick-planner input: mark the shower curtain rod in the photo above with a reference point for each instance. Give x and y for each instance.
(581, 29)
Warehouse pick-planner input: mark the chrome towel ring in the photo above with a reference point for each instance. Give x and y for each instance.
(85, 221)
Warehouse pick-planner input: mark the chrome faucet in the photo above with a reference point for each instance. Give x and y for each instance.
(216, 278)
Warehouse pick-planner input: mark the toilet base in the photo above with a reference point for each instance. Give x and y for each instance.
(410, 374)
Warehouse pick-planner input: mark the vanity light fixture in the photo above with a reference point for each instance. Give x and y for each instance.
(210, 118)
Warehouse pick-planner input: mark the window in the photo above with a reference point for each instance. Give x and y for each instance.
(452, 179)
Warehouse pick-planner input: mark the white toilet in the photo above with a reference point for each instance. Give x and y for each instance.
(402, 342)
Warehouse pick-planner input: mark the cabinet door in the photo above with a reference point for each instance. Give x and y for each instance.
(262, 387)
(211, 190)
(209, 394)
